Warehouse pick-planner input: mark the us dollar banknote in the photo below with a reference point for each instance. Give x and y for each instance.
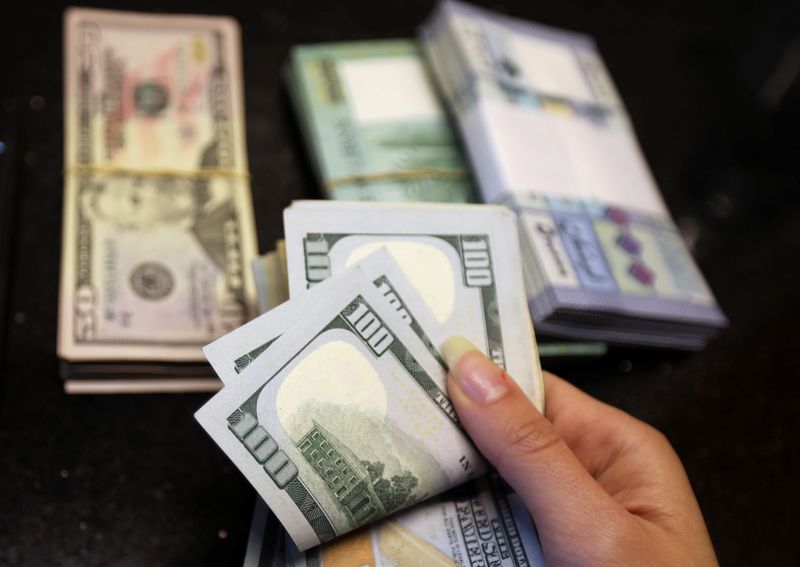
(463, 260)
(480, 523)
(346, 421)
(231, 354)
(158, 224)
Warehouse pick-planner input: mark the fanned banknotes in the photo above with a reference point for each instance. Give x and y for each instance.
(158, 225)
(462, 259)
(548, 135)
(373, 123)
(345, 418)
(335, 404)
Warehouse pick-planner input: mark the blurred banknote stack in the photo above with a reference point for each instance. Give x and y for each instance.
(374, 125)
(158, 227)
(548, 135)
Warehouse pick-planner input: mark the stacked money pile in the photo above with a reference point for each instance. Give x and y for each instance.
(335, 406)
(374, 126)
(376, 131)
(158, 227)
(548, 135)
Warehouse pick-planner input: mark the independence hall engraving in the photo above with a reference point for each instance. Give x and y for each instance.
(344, 474)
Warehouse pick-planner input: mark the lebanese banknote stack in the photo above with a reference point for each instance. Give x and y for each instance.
(373, 123)
(335, 405)
(548, 135)
(158, 225)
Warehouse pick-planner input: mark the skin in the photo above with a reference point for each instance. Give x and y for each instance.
(604, 488)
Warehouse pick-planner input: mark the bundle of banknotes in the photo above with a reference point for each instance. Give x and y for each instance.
(374, 125)
(158, 230)
(335, 405)
(548, 135)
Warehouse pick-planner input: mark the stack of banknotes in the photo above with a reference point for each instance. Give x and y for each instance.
(548, 135)
(376, 130)
(158, 230)
(335, 404)
(374, 125)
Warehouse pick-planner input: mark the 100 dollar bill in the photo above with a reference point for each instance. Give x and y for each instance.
(481, 523)
(346, 421)
(232, 353)
(158, 224)
(463, 260)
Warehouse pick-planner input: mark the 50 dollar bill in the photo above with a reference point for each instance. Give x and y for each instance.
(158, 225)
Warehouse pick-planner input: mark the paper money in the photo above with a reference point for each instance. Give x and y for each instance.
(548, 135)
(232, 353)
(447, 530)
(346, 421)
(158, 224)
(480, 523)
(373, 123)
(272, 283)
(463, 261)
(443, 531)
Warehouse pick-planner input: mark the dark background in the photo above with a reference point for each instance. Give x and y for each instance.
(713, 91)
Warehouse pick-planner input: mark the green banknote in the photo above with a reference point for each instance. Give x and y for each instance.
(463, 260)
(345, 421)
(373, 123)
(232, 353)
(480, 523)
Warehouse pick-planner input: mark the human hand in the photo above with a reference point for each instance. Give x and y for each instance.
(603, 487)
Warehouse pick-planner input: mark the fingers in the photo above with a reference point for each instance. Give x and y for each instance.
(592, 430)
(522, 444)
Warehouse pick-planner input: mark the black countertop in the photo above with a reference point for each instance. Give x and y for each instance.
(713, 93)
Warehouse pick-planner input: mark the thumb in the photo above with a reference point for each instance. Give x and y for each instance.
(522, 444)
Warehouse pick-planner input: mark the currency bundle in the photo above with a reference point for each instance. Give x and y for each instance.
(158, 228)
(548, 135)
(373, 123)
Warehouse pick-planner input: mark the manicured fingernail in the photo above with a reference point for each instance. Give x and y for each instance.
(480, 379)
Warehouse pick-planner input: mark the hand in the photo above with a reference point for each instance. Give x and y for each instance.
(603, 487)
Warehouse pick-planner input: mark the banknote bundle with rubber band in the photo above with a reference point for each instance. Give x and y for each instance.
(158, 227)
(374, 125)
(335, 406)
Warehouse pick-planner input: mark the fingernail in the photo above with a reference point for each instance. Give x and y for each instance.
(480, 378)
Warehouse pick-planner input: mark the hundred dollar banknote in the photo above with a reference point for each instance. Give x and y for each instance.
(373, 123)
(158, 225)
(464, 261)
(480, 523)
(231, 354)
(346, 421)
